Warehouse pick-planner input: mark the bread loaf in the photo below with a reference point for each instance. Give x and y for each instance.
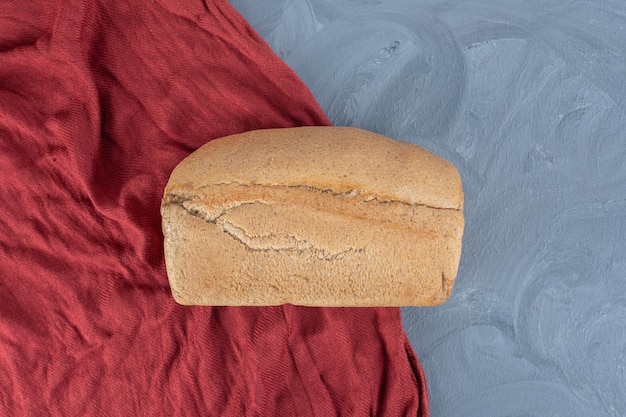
(315, 216)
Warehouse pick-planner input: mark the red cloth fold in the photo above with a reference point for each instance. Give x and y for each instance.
(99, 100)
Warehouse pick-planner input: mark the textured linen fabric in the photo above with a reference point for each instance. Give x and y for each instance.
(99, 100)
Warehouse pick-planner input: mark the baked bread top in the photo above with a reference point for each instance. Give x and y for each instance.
(336, 159)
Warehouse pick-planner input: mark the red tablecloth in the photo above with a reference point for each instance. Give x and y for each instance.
(99, 100)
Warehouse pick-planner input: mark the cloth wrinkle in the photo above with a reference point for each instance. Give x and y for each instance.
(98, 103)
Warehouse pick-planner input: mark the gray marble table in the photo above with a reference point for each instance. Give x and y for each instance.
(527, 99)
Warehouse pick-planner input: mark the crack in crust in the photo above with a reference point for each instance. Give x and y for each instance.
(264, 242)
(343, 194)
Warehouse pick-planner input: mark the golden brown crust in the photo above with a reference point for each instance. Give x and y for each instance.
(341, 159)
(321, 216)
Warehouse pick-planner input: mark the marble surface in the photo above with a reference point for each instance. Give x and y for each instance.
(527, 99)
